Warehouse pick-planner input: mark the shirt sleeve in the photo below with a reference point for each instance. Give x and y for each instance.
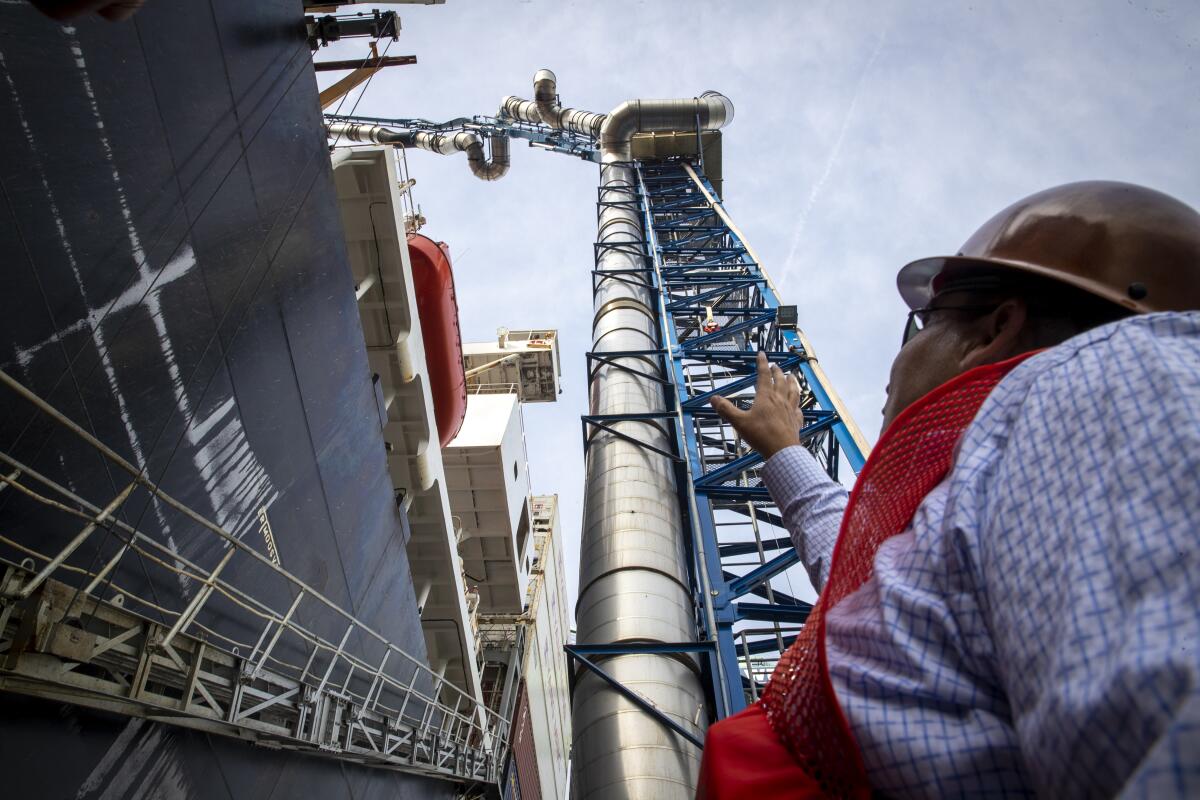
(812, 504)
(1089, 567)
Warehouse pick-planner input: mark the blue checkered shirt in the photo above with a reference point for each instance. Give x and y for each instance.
(1036, 629)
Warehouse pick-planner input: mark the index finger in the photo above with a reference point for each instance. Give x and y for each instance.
(764, 382)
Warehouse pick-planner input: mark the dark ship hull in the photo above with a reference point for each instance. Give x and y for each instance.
(175, 281)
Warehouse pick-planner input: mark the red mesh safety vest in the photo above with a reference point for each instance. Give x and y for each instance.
(795, 742)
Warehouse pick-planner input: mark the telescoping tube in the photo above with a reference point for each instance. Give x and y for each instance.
(633, 584)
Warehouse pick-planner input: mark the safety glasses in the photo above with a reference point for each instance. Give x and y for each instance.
(918, 318)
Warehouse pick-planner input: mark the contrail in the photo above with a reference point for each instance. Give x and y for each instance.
(831, 162)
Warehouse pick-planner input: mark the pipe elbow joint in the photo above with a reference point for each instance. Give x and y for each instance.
(618, 128)
(493, 169)
(520, 110)
(719, 107)
(545, 95)
(711, 110)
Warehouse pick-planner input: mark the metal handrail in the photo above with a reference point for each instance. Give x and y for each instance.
(470, 721)
(493, 388)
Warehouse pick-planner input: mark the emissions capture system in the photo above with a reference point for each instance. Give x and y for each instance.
(685, 603)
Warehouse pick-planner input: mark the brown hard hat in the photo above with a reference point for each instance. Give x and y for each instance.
(1128, 244)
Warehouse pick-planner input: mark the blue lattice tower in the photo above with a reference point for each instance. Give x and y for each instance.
(717, 310)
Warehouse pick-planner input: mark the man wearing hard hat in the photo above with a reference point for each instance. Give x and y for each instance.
(1009, 597)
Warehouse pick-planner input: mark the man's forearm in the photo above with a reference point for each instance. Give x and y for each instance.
(812, 504)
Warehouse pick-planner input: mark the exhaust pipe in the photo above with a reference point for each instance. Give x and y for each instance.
(545, 98)
(615, 130)
(492, 169)
(633, 584)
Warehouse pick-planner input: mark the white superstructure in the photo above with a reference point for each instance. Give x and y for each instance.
(511, 548)
(374, 201)
(486, 557)
(487, 476)
(522, 362)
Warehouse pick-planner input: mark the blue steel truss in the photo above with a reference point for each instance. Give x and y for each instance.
(717, 311)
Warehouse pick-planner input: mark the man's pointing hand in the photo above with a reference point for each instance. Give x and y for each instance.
(774, 421)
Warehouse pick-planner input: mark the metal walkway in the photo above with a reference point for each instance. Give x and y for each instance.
(71, 634)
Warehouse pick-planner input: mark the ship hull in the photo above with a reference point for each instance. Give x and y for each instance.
(176, 283)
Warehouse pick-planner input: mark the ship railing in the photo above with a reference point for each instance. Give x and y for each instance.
(492, 388)
(72, 633)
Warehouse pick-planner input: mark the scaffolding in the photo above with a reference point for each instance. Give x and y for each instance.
(73, 634)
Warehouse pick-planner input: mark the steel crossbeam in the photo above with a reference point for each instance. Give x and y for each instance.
(605, 422)
(709, 294)
(609, 358)
(580, 654)
(625, 276)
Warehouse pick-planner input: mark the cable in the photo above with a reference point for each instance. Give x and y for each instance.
(361, 94)
(220, 325)
(270, 268)
(266, 272)
(379, 268)
(97, 323)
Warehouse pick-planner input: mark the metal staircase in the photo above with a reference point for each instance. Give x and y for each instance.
(72, 634)
(718, 310)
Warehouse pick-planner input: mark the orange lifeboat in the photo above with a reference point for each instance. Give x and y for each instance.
(437, 308)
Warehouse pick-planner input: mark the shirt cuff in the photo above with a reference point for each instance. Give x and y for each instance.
(793, 472)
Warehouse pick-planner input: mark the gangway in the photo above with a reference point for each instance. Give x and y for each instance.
(72, 634)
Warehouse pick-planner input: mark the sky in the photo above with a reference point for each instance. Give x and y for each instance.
(866, 135)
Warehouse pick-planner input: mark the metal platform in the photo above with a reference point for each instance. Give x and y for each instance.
(360, 699)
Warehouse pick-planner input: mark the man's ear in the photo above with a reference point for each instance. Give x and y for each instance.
(997, 335)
